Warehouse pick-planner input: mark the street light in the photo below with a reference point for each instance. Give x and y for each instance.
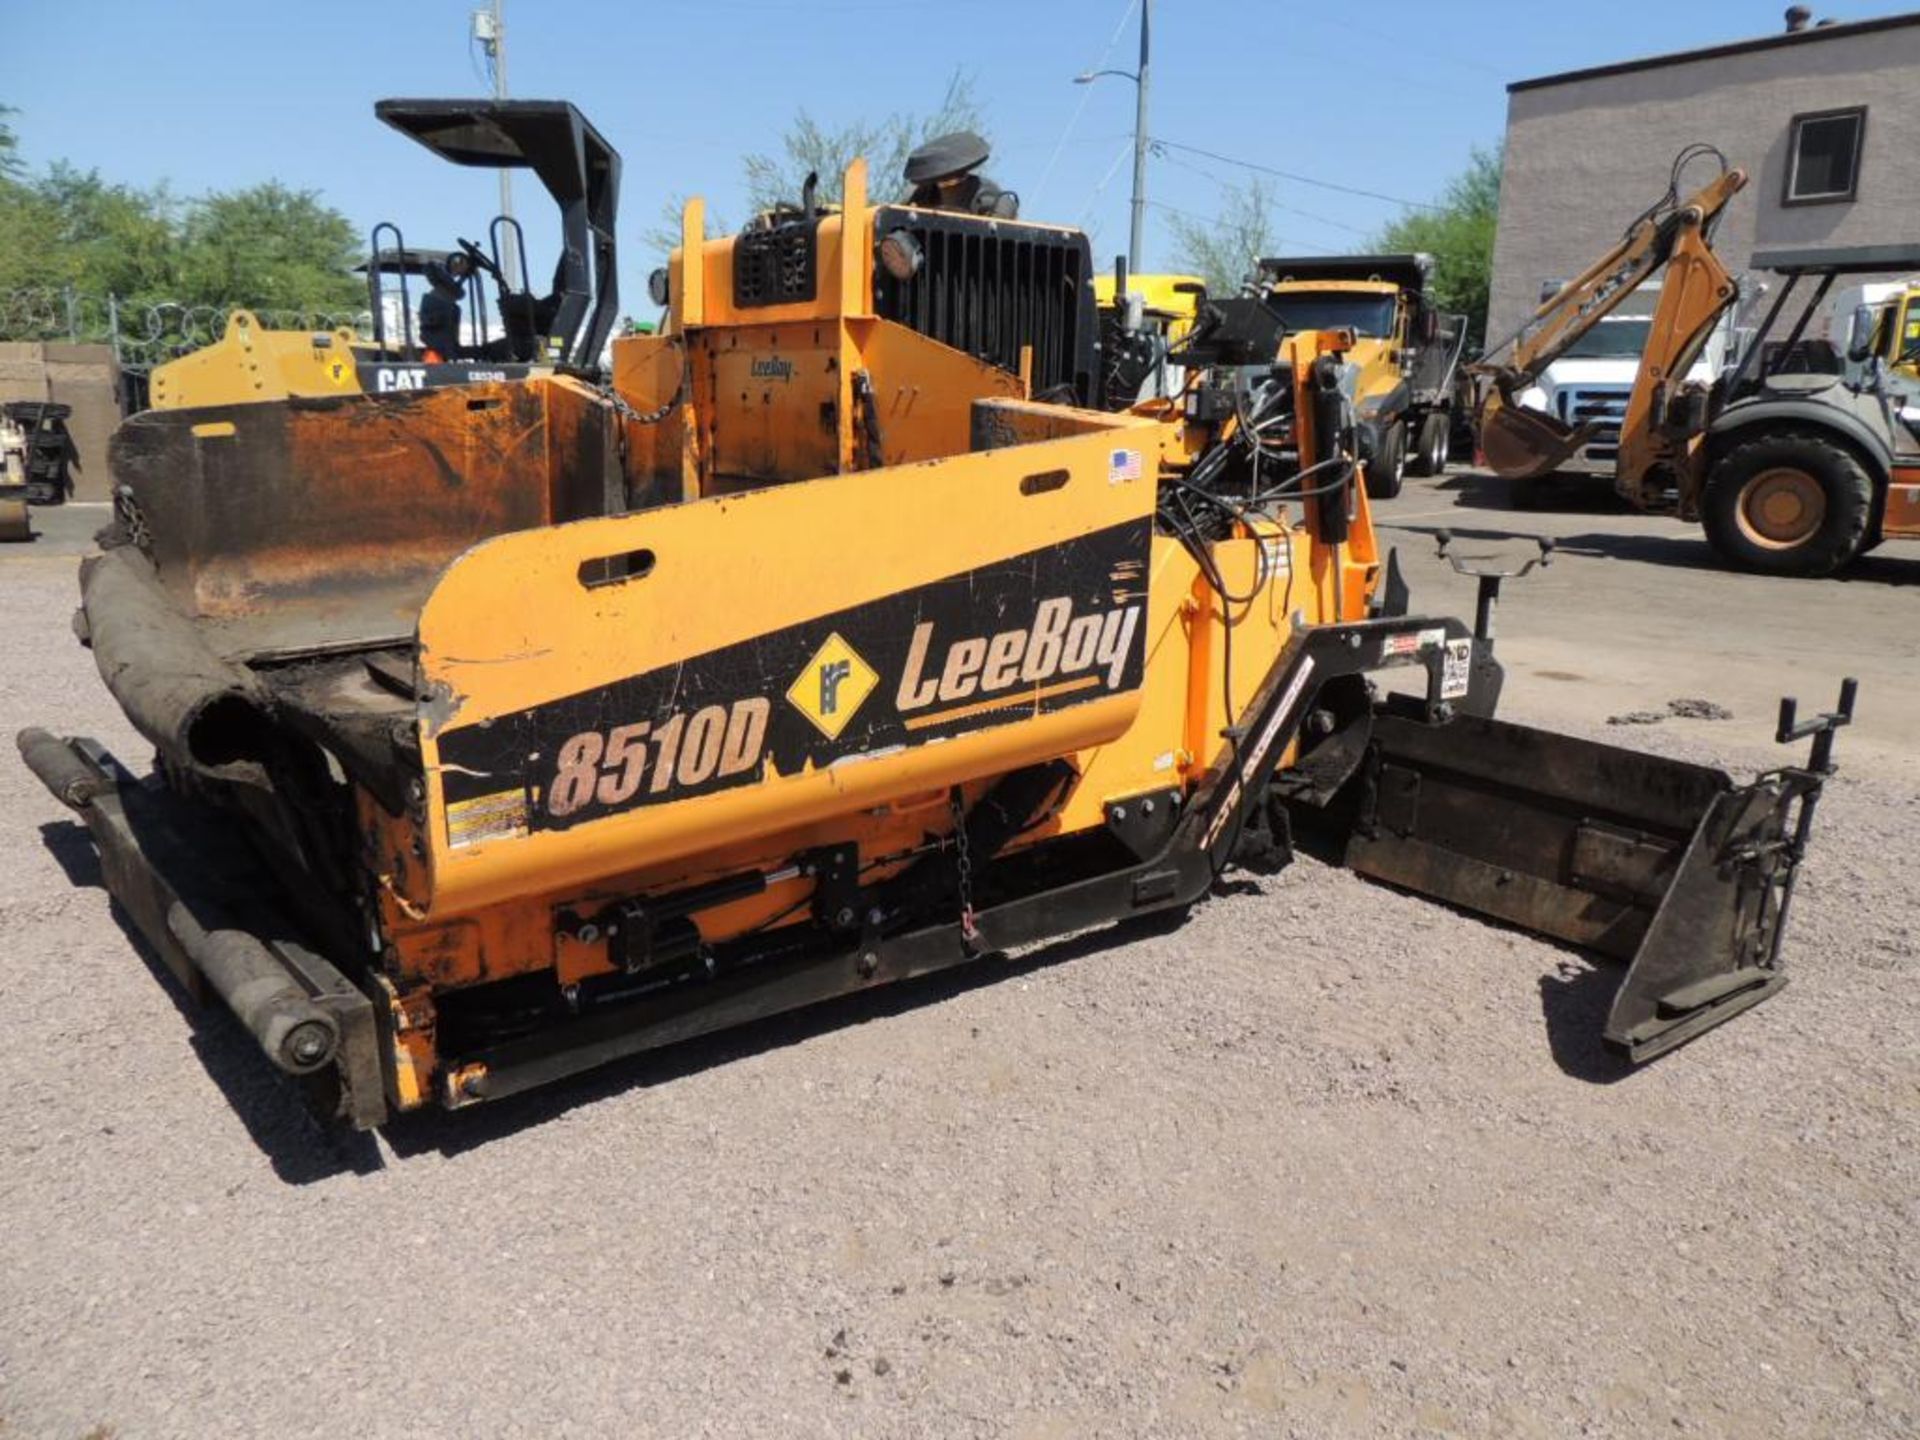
(1139, 78)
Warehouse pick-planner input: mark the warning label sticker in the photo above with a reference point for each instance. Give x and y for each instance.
(1456, 674)
(486, 817)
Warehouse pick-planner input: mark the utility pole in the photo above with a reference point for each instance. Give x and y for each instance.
(490, 29)
(1136, 239)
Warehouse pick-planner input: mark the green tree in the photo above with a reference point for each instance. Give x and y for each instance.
(266, 246)
(30, 254)
(1458, 232)
(12, 167)
(270, 247)
(808, 146)
(1222, 251)
(102, 238)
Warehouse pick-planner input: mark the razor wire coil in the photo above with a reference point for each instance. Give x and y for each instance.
(145, 334)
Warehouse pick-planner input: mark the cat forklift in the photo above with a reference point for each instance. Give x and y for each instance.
(1791, 471)
(511, 728)
(521, 332)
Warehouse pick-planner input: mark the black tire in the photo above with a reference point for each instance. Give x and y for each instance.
(1429, 455)
(1387, 471)
(1788, 502)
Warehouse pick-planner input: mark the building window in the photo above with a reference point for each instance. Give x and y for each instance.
(1823, 156)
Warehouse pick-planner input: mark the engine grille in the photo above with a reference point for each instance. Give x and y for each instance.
(775, 266)
(1604, 404)
(992, 287)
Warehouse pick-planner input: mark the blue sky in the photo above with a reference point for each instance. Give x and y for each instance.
(208, 94)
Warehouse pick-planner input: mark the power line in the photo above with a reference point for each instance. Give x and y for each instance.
(1192, 215)
(1164, 145)
(1086, 94)
(1314, 216)
(1093, 199)
(1279, 238)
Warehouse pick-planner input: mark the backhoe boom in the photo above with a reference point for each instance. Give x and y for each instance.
(1522, 444)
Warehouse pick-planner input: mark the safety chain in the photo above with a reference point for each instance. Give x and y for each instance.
(625, 411)
(963, 860)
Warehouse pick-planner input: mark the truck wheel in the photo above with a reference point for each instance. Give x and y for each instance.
(1430, 449)
(1789, 503)
(1388, 469)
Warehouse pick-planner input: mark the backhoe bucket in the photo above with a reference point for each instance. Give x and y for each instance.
(1667, 866)
(1522, 444)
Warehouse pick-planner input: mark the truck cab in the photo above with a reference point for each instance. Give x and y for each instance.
(1404, 357)
(1890, 310)
(1594, 380)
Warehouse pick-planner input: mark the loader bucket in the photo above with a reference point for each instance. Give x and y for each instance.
(1667, 866)
(1522, 444)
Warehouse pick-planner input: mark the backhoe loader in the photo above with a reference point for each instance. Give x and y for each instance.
(508, 729)
(1791, 472)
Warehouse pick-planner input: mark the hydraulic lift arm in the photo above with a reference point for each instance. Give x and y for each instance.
(1520, 444)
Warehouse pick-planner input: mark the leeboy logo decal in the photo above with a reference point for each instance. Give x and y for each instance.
(1019, 637)
(771, 367)
(831, 686)
(1057, 644)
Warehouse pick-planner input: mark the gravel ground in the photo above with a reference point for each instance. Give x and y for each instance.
(1324, 1161)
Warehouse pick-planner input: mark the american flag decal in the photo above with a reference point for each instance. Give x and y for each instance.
(1123, 465)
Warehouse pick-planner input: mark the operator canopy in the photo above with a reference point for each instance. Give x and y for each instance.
(579, 170)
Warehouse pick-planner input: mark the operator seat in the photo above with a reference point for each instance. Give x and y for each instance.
(528, 318)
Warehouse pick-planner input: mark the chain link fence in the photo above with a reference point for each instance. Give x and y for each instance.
(143, 335)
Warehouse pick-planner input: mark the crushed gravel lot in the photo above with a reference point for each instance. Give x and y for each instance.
(1323, 1161)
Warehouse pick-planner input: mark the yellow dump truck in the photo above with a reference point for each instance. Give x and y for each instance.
(1895, 336)
(1405, 357)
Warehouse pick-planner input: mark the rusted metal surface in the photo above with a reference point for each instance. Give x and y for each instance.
(201, 710)
(322, 524)
(215, 917)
